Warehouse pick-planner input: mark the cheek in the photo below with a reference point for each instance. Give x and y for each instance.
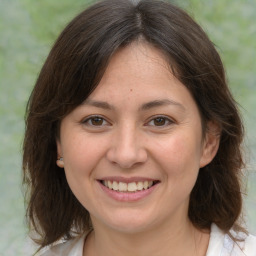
(81, 155)
(179, 155)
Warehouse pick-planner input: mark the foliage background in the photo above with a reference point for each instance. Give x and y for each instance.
(28, 28)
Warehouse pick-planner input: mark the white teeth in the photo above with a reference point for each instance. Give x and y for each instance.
(115, 185)
(132, 187)
(145, 185)
(127, 187)
(109, 185)
(140, 185)
(122, 186)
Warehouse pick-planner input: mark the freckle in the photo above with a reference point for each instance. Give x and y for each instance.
(130, 90)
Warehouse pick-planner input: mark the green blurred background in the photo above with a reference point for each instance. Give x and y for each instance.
(28, 29)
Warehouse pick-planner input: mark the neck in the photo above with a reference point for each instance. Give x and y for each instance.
(183, 239)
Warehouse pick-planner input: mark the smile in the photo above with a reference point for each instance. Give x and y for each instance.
(128, 187)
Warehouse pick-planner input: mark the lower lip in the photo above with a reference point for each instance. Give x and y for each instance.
(127, 196)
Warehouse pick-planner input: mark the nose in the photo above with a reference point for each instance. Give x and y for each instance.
(127, 149)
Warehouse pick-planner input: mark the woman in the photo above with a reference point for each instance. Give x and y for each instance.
(133, 103)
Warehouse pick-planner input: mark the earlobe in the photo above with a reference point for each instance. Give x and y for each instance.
(59, 162)
(211, 143)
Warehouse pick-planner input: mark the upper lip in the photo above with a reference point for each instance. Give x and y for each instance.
(127, 179)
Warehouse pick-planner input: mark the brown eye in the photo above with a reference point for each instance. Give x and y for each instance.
(159, 121)
(97, 121)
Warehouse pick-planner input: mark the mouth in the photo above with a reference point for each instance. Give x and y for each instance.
(131, 187)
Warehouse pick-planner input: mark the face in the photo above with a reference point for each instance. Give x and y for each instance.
(133, 149)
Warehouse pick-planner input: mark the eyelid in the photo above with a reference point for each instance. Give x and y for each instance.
(90, 117)
(167, 118)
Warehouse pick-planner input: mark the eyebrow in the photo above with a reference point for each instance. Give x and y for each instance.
(98, 104)
(160, 103)
(145, 106)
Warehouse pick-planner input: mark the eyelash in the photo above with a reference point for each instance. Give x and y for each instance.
(167, 121)
(88, 121)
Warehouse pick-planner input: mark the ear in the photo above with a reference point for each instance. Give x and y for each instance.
(211, 143)
(59, 160)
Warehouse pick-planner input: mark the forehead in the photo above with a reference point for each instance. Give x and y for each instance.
(139, 72)
(141, 59)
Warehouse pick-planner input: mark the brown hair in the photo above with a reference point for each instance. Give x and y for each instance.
(71, 72)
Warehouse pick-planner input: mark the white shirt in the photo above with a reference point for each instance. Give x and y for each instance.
(220, 244)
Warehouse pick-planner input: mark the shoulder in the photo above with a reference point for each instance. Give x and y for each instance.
(73, 247)
(250, 245)
(221, 244)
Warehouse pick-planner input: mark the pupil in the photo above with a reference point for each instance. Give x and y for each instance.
(159, 121)
(97, 121)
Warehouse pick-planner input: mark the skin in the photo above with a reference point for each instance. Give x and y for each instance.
(148, 126)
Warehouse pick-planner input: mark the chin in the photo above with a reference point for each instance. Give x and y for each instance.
(127, 223)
